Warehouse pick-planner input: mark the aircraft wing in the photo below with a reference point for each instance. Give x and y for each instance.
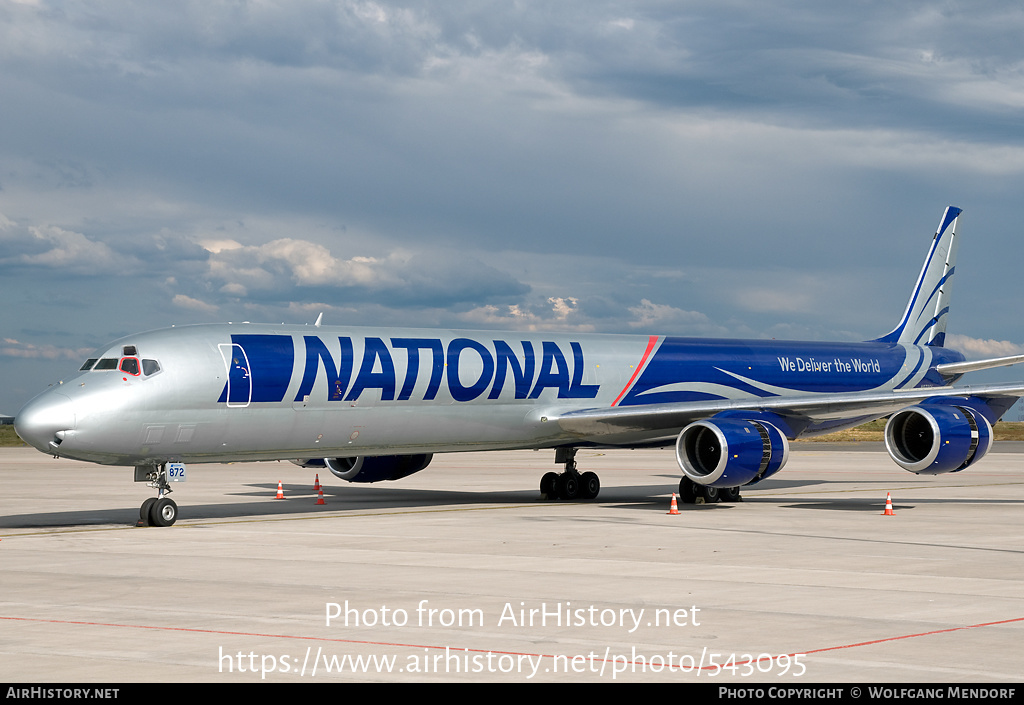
(816, 407)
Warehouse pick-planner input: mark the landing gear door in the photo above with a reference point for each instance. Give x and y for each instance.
(236, 363)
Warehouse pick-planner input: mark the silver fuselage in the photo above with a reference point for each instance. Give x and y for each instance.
(262, 392)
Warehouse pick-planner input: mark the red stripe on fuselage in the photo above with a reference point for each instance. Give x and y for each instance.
(647, 353)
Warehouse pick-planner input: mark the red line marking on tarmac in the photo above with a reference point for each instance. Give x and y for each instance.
(912, 636)
(493, 651)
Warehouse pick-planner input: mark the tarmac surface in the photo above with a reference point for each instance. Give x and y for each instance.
(461, 573)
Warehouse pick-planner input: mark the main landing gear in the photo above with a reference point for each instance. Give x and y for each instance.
(569, 484)
(692, 493)
(159, 510)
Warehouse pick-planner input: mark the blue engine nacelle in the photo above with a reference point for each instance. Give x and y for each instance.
(729, 452)
(378, 467)
(932, 439)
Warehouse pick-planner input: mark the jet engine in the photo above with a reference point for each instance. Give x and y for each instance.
(936, 438)
(729, 452)
(377, 467)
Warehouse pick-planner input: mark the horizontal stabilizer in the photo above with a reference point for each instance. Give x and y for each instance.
(957, 368)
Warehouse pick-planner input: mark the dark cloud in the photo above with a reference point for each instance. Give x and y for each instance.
(703, 168)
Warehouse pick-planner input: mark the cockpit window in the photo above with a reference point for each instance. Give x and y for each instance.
(130, 365)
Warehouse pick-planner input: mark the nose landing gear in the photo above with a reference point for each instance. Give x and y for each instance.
(159, 510)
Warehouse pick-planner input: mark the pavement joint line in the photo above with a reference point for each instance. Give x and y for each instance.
(930, 486)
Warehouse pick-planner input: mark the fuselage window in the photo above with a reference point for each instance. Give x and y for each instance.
(107, 363)
(88, 365)
(130, 365)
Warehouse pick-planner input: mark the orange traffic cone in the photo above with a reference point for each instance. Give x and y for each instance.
(888, 506)
(280, 491)
(316, 485)
(320, 499)
(674, 508)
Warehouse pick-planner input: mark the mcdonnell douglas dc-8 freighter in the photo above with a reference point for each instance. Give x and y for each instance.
(372, 404)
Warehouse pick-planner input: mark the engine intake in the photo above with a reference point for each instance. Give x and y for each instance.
(377, 468)
(729, 452)
(932, 439)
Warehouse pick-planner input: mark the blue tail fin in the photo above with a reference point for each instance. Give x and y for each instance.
(924, 321)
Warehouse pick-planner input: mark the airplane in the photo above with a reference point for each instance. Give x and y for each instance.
(374, 404)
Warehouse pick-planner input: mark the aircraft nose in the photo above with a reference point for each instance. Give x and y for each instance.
(44, 419)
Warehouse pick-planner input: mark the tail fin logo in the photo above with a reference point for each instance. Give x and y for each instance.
(924, 321)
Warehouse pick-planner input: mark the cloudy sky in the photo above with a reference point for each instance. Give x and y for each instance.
(725, 168)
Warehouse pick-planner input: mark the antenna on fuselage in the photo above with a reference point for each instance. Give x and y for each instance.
(319, 319)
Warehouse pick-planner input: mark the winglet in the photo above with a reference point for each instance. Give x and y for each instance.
(924, 321)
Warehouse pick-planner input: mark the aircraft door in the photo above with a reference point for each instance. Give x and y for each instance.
(239, 386)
